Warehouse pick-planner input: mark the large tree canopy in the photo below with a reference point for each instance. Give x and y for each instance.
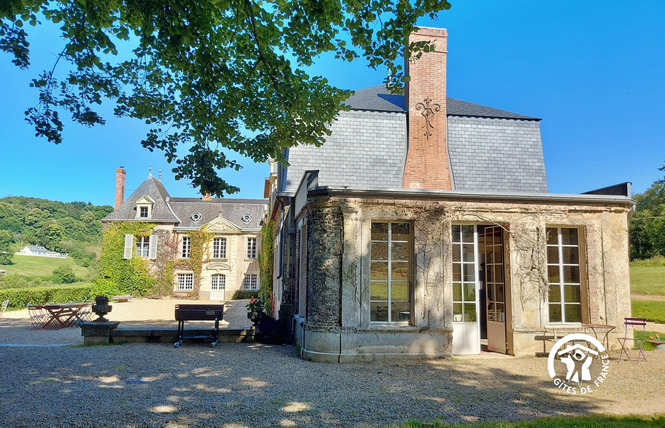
(208, 74)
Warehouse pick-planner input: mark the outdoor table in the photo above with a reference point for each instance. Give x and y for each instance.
(601, 329)
(62, 315)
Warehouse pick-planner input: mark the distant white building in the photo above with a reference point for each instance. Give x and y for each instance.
(39, 251)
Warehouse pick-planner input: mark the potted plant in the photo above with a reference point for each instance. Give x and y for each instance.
(255, 309)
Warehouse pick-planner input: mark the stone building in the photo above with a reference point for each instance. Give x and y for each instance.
(423, 227)
(228, 260)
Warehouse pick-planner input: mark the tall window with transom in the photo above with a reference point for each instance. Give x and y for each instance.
(251, 248)
(186, 247)
(563, 275)
(219, 248)
(390, 272)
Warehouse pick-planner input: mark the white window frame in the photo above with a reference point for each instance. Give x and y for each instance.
(186, 247)
(142, 246)
(141, 211)
(131, 246)
(560, 246)
(250, 282)
(218, 281)
(184, 282)
(219, 248)
(252, 245)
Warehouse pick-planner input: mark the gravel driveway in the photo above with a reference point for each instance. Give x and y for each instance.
(254, 385)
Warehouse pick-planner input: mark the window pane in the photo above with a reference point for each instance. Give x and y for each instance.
(456, 252)
(401, 312)
(378, 311)
(498, 272)
(467, 233)
(490, 292)
(379, 271)
(457, 292)
(571, 255)
(379, 251)
(497, 254)
(553, 274)
(457, 310)
(552, 255)
(555, 313)
(400, 231)
(456, 233)
(571, 274)
(555, 294)
(568, 236)
(400, 271)
(469, 312)
(552, 238)
(573, 313)
(400, 251)
(470, 292)
(379, 291)
(489, 273)
(469, 272)
(571, 293)
(379, 231)
(499, 293)
(399, 291)
(457, 272)
(468, 253)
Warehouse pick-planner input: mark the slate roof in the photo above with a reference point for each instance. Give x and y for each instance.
(378, 98)
(180, 211)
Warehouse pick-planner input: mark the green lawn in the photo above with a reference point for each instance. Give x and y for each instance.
(41, 266)
(653, 311)
(647, 280)
(595, 421)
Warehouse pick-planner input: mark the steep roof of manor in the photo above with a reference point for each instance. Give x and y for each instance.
(378, 98)
(189, 213)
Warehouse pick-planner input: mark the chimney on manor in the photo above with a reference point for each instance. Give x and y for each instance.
(119, 187)
(427, 165)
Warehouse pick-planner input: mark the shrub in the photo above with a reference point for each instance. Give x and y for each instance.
(243, 294)
(21, 297)
(105, 287)
(65, 273)
(655, 261)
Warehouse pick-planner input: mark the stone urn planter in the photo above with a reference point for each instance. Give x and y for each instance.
(255, 316)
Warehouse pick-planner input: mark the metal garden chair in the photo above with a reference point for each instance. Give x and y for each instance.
(635, 323)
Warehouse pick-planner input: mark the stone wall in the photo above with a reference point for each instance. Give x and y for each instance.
(338, 284)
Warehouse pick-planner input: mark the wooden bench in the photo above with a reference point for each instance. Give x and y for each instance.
(122, 299)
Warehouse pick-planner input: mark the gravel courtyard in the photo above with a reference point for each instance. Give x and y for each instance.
(60, 383)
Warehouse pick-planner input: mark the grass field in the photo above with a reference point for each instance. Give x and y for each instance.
(594, 421)
(647, 280)
(41, 266)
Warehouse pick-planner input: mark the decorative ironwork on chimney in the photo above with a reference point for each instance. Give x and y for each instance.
(428, 110)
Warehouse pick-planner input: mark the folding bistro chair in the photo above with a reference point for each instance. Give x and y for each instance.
(634, 323)
(4, 308)
(37, 316)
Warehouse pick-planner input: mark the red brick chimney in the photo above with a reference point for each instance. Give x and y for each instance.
(119, 187)
(427, 164)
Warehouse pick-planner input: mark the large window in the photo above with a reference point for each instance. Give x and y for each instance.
(219, 248)
(186, 248)
(218, 282)
(251, 282)
(251, 248)
(464, 273)
(390, 272)
(563, 273)
(142, 246)
(185, 282)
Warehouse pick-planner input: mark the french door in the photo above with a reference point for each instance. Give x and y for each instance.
(466, 323)
(495, 287)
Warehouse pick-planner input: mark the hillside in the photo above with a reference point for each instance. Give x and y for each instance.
(68, 227)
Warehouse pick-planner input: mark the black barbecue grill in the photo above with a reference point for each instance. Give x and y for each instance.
(198, 313)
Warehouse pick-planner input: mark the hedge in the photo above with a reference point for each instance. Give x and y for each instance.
(19, 298)
(242, 294)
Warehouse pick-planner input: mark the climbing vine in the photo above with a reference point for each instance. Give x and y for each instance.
(266, 264)
(199, 245)
(120, 275)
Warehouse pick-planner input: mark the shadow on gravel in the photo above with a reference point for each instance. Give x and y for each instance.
(264, 385)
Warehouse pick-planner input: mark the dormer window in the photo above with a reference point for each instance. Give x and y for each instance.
(144, 208)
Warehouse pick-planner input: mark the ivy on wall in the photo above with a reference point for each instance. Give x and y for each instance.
(120, 275)
(200, 241)
(266, 264)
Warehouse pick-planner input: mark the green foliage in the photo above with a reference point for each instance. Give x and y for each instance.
(647, 226)
(208, 75)
(19, 298)
(65, 273)
(130, 276)
(655, 261)
(653, 311)
(593, 421)
(6, 253)
(649, 335)
(41, 266)
(244, 294)
(266, 265)
(647, 280)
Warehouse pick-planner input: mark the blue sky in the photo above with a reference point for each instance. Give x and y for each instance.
(594, 71)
